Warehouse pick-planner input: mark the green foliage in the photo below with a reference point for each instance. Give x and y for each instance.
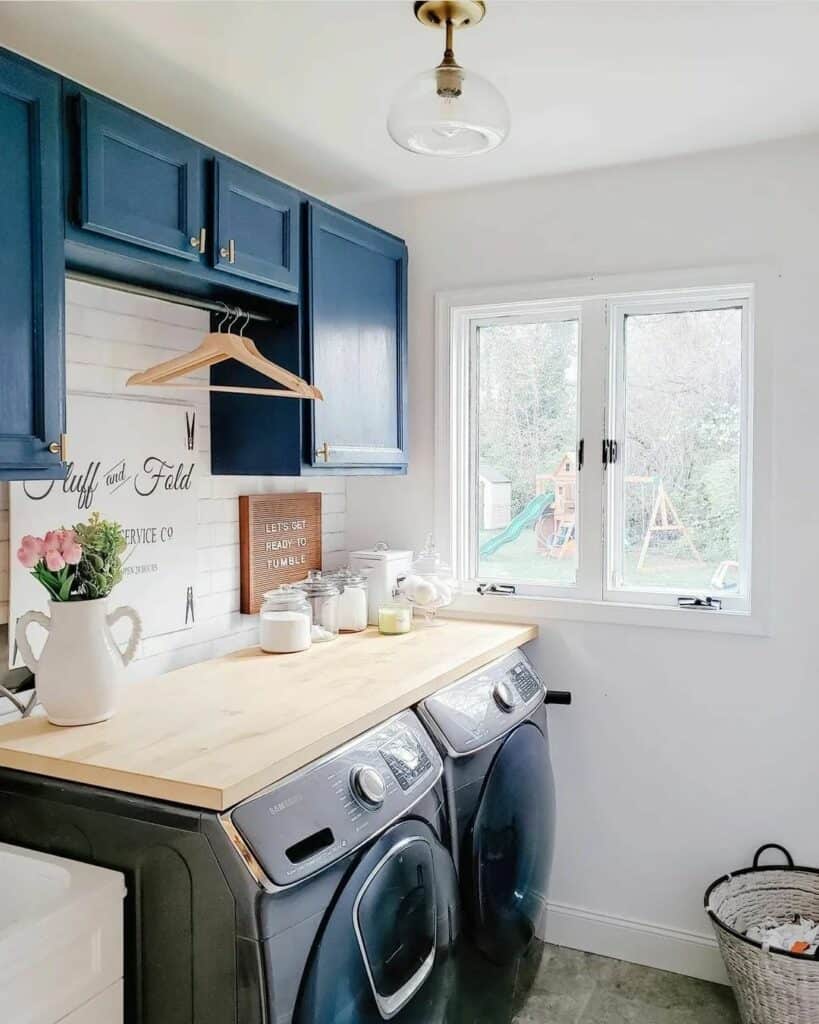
(100, 568)
(528, 400)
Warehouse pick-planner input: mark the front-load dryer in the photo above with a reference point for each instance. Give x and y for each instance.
(360, 917)
(328, 898)
(490, 727)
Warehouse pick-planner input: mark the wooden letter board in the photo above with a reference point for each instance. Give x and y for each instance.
(280, 541)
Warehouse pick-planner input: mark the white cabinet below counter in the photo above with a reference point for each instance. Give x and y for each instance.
(61, 940)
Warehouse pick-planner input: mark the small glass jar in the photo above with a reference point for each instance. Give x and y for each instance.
(285, 621)
(394, 619)
(352, 604)
(322, 594)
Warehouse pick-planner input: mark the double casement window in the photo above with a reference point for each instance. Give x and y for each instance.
(600, 448)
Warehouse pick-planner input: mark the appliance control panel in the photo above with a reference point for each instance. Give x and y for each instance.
(326, 810)
(483, 706)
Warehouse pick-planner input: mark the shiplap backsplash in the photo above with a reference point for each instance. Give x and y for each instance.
(109, 335)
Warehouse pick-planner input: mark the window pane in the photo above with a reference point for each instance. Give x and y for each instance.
(526, 491)
(681, 517)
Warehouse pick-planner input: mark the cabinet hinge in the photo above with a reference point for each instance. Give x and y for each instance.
(581, 448)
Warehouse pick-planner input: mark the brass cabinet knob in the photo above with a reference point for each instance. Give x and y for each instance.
(199, 241)
(229, 254)
(324, 452)
(60, 447)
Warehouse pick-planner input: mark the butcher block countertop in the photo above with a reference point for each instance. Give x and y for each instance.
(213, 733)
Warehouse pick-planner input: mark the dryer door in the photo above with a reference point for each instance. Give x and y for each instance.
(382, 952)
(508, 849)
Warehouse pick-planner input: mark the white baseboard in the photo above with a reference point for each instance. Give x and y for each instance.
(669, 949)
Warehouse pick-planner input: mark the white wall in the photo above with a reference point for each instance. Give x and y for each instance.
(683, 750)
(109, 335)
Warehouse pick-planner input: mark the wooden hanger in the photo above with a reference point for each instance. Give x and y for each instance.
(215, 348)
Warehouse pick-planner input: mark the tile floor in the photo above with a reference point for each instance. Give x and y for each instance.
(554, 985)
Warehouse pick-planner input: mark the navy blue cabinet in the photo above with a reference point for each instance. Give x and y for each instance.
(32, 378)
(140, 182)
(256, 226)
(357, 338)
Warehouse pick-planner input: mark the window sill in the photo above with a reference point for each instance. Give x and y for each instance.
(516, 608)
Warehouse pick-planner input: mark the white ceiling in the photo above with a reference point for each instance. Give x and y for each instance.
(302, 88)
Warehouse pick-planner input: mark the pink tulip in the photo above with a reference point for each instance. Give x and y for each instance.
(34, 544)
(51, 541)
(72, 553)
(28, 557)
(53, 559)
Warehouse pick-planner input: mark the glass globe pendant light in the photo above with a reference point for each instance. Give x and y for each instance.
(448, 111)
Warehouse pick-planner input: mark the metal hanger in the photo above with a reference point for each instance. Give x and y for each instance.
(218, 346)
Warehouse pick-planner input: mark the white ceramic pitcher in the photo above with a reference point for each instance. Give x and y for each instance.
(79, 673)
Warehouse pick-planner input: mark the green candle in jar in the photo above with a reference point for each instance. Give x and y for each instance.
(394, 619)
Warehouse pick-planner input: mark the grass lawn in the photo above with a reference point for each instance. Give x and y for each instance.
(520, 560)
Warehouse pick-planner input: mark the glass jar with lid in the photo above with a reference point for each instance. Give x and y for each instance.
(322, 595)
(285, 621)
(429, 585)
(352, 603)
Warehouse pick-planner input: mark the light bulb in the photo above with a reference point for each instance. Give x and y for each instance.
(448, 111)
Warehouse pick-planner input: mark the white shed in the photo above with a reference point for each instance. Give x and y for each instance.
(494, 499)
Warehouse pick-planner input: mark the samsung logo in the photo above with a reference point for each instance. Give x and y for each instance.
(282, 805)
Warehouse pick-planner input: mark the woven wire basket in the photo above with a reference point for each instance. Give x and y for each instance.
(772, 986)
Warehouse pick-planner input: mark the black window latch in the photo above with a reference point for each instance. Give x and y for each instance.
(707, 603)
(495, 588)
(610, 451)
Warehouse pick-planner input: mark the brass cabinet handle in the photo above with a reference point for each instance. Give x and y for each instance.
(60, 447)
(199, 241)
(230, 253)
(324, 452)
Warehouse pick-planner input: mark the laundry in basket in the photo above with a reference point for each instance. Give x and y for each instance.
(798, 935)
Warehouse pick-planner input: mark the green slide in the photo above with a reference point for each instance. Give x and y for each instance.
(528, 517)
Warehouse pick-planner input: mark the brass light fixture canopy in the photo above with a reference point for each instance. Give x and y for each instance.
(448, 111)
(458, 13)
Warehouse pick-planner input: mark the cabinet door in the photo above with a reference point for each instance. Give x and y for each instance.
(32, 267)
(358, 343)
(141, 182)
(256, 223)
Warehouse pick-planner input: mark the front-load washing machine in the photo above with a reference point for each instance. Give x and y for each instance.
(491, 729)
(329, 898)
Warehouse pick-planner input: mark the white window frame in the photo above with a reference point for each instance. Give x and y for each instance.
(600, 301)
(543, 312)
(730, 297)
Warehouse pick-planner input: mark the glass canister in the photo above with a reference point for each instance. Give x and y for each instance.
(352, 603)
(322, 594)
(285, 621)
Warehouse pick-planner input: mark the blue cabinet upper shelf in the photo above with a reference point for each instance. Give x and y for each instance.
(154, 206)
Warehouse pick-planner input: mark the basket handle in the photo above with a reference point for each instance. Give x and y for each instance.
(772, 846)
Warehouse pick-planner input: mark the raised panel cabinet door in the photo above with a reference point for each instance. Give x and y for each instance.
(357, 323)
(32, 268)
(141, 182)
(256, 223)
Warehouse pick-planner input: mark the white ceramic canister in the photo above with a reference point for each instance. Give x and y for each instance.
(285, 621)
(382, 566)
(79, 673)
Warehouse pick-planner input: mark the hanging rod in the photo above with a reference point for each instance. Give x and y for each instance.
(151, 293)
